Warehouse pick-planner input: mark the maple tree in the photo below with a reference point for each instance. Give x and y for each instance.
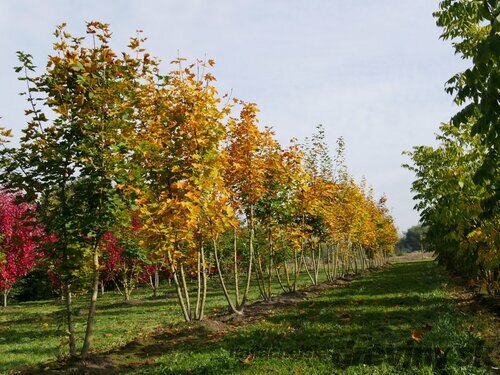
(19, 241)
(178, 184)
(124, 261)
(244, 177)
(71, 164)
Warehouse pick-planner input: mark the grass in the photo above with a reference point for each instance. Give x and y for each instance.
(363, 328)
(33, 332)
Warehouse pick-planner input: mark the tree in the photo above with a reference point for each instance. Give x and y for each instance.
(474, 26)
(71, 164)
(124, 261)
(19, 238)
(177, 179)
(413, 239)
(465, 240)
(244, 177)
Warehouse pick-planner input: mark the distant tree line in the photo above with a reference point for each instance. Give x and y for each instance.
(412, 240)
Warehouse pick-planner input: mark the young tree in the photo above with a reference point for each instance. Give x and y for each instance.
(464, 239)
(244, 175)
(177, 178)
(19, 238)
(474, 27)
(71, 164)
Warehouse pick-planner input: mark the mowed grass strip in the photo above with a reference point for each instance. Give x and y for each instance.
(365, 327)
(33, 332)
(399, 320)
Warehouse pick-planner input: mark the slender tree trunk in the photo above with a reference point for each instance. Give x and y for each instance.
(278, 277)
(270, 265)
(317, 264)
(259, 274)
(204, 282)
(287, 275)
(156, 282)
(335, 261)
(93, 303)
(221, 278)
(198, 289)
(304, 262)
(118, 287)
(250, 260)
(186, 291)
(235, 268)
(297, 266)
(5, 295)
(259, 280)
(126, 286)
(328, 266)
(178, 289)
(69, 319)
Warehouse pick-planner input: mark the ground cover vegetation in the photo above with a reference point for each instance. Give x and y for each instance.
(126, 176)
(409, 318)
(403, 320)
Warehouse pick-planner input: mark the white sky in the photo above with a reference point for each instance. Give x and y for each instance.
(370, 71)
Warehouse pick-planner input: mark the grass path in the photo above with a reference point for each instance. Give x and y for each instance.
(361, 327)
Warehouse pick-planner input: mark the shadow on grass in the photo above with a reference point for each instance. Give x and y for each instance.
(368, 323)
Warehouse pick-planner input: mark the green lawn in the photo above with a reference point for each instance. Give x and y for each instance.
(362, 328)
(33, 332)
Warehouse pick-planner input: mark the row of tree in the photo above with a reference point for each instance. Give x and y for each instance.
(458, 182)
(130, 172)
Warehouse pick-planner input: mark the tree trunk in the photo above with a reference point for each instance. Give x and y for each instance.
(250, 260)
(126, 286)
(304, 262)
(270, 265)
(232, 306)
(178, 288)
(335, 261)
(93, 303)
(156, 283)
(204, 281)
(69, 320)
(235, 268)
(297, 267)
(261, 280)
(5, 295)
(198, 289)
(186, 292)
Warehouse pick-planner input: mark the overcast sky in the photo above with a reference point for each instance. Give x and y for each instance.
(372, 72)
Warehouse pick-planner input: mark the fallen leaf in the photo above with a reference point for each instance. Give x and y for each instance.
(248, 359)
(416, 335)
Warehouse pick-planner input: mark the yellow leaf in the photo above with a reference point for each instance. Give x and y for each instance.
(248, 359)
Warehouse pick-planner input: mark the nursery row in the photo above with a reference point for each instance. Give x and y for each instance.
(123, 172)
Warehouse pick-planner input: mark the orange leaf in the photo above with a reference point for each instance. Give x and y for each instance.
(416, 335)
